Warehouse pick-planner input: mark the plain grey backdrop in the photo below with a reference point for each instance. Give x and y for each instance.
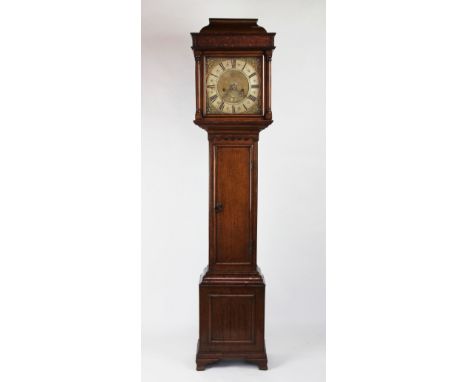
(291, 206)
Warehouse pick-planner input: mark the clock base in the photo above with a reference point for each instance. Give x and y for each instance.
(232, 319)
(205, 359)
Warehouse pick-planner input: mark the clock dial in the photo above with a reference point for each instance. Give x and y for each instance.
(233, 85)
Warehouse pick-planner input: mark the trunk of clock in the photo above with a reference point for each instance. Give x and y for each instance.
(232, 289)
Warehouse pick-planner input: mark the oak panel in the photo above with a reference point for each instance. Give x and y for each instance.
(232, 195)
(232, 318)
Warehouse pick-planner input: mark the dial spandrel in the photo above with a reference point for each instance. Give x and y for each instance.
(233, 85)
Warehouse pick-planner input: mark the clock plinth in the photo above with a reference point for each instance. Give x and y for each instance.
(232, 308)
(233, 98)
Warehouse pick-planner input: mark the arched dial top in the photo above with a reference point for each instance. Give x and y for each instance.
(233, 85)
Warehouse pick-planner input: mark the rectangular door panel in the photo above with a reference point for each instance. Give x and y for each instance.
(232, 198)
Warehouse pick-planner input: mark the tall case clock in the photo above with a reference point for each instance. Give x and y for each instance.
(233, 104)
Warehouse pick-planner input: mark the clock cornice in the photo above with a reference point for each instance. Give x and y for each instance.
(233, 34)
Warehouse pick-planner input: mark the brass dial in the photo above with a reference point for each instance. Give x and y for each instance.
(234, 85)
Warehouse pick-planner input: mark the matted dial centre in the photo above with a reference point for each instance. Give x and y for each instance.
(233, 86)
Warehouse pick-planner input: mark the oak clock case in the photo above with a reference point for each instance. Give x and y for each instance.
(233, 104)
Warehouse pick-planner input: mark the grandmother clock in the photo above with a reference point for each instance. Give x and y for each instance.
(233, 104)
